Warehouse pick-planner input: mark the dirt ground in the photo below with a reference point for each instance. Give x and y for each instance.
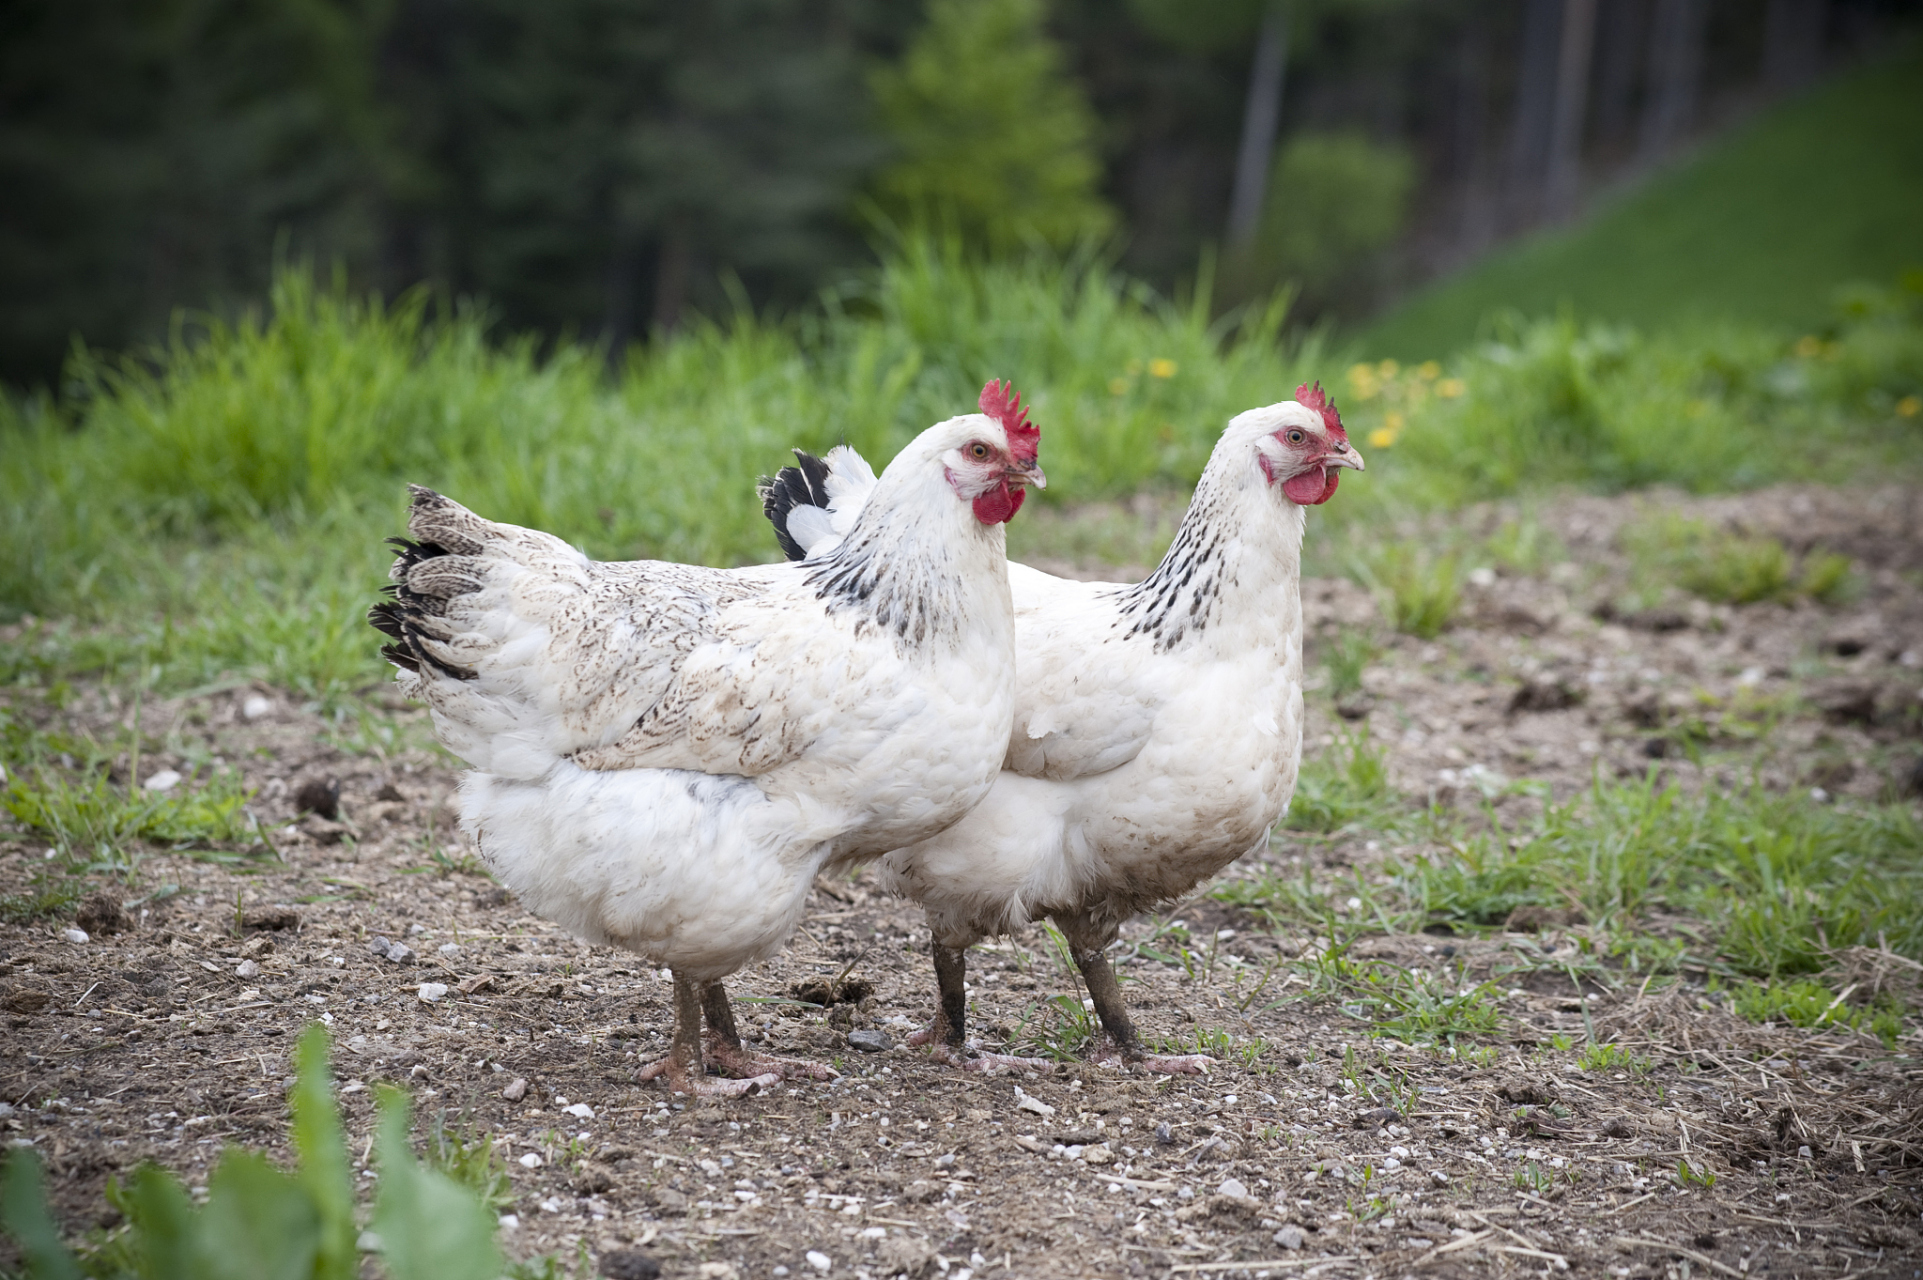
(170, 1035)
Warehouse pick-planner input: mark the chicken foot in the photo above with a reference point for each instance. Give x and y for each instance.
(947, 1035)
(684, 1066)
(726, 1051)
(1122, 1043)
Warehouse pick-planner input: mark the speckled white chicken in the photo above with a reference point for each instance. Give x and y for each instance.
(1160, 725)
(666, 755)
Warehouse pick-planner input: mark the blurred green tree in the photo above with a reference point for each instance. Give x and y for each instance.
(154, 152)
(992, 137)
(612, 160)
(1337, 202)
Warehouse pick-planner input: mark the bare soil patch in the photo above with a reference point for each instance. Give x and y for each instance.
(167, 1032)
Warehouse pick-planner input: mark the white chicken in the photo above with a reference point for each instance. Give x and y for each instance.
(1160, 724)
(666, 755)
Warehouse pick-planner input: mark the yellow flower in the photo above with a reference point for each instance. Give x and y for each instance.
(1388, 368)
(1809, 345)
(1428, 370)
(1118, 386)
(1161, 368)
(1385, 435)
(1362, 381)
(1450, 388)
(1909, 407)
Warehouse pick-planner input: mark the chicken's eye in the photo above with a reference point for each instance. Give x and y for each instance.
(978, 451)
(1296, 436)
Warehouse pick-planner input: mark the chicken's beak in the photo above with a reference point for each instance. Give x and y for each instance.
(1344, 457)
(1029, 472)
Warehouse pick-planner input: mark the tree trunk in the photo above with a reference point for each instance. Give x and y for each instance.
(1793, 43)
(618, 292)
(1620, 41)
(1675, 67)
(1572, 97)
(1260, 117)
(1535, 105)
(1476, 221)
(672, 274)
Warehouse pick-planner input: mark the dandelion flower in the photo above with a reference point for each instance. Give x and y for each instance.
(1118, 386)
(1385, 435)
(1428, 371)
(1160, 367)
(1388, 369)
(1909, 407)
(1450, 388)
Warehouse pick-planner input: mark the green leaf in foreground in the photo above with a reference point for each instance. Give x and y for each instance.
(429, 1227)
(24, 1215)
(322, 1149)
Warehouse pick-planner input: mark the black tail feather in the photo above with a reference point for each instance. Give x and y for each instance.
(805, 485)
(400, 617)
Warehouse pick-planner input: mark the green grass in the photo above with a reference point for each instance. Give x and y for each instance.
(1766, 224)
(1773, 883)
(1342, 788)
(1806, 1003)
(61, 787)
(1403, 1004)
(1417, 589)
(1727, 568)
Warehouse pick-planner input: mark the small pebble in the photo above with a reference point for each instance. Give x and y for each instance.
(1289, 1237)
(819, 1260)
(254, 706)
(165, 780)
(1233, 1188)
(450, 948)
(530, 1161)
(581, 1109)
(247, 969)
(516, 1089)
(868, 1040)
(432, 991)
(75, 936)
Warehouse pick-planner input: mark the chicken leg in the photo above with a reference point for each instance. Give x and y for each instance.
(684, 1066)
(725, 1049)
(947, 1035)
(1124, 1045)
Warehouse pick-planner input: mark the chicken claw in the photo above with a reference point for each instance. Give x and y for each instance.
(734, 1060)
(1172, 1064)
(684, 1081)
(969, 1057)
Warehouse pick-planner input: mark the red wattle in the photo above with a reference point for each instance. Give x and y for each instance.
(999, 505)
(1312, 488)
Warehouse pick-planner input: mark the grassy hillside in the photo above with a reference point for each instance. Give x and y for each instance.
(1761, 227)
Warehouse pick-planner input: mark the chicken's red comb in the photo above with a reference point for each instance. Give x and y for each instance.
(1317, 399)
(1001, 402)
